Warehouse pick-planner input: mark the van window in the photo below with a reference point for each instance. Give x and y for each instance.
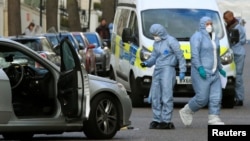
(180, 23)
(133, 25)
(122, 22)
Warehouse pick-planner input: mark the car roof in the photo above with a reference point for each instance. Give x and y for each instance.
(65, 33)
(49, 34)
(26, 37)
(7, 40)
(91, 33)
(76, 32)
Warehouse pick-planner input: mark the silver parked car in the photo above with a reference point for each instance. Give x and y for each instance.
(101, 51)
(52, 100)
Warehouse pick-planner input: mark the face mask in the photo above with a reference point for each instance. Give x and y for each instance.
(209, 28)
(157, 38)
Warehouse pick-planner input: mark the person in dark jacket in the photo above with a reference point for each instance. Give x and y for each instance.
(103, 31)
(239, 55)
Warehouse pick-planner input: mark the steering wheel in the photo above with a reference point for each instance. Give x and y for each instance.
(15, 73)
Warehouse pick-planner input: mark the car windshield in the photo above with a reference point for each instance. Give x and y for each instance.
(180, 23)
(92, 39)
(53, 39)
(37, 44)
(6, 56)
(79, 39)
(72, 40)
(46, 45)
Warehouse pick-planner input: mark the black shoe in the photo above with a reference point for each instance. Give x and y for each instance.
(238, 102)
(164, 125)
(153, 125)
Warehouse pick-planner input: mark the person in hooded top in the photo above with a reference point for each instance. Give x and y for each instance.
(165, 56)
(205, 74)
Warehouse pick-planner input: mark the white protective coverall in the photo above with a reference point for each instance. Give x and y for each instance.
(165, 56)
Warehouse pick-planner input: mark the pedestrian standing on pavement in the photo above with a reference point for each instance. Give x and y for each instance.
(103, 31)
(165, 56)
(205, 74)
(30, 29)
(239, 55)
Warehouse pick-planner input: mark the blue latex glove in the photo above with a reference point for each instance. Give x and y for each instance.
(202, 72)
(143, 64)
(222, 72)
(182, 75)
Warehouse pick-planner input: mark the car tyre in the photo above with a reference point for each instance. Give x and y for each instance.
(103, 121)
(135, 95)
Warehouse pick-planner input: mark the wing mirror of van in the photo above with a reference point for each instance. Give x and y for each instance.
(127, 35)
(234, 36)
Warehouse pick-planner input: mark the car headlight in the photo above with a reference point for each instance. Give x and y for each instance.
(121, 86)
(227, 58)
(145, 54)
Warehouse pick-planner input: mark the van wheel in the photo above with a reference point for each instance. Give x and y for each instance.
(135, 95)
(228, 98)
(104, 118)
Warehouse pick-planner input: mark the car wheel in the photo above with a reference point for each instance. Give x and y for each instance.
(135, 95)
(17, 136)
(104, 118)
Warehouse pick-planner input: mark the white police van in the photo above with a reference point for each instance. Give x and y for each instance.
(132, 43)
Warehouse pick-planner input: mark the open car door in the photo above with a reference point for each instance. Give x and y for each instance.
(70, 85)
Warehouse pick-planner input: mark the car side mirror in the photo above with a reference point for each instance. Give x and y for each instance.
(234, 36)
(81, 46)
(104, 44)
(91, 46)
(127, 35)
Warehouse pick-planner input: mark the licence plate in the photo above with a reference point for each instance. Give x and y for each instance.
(186, 80)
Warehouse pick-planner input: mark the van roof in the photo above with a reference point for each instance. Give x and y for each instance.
(191, 4)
